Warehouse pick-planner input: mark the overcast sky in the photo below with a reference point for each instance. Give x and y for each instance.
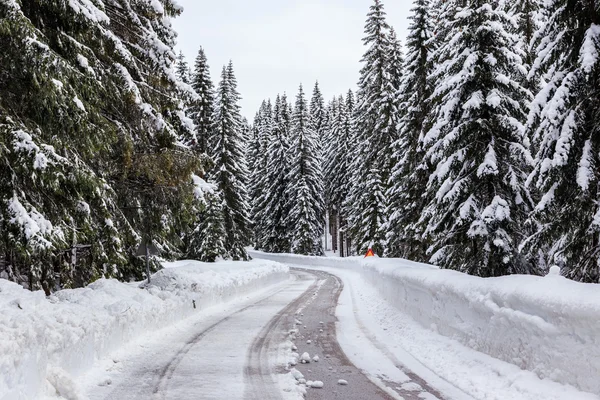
(277, 44)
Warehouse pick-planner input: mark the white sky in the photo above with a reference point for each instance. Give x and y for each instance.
(277, 44)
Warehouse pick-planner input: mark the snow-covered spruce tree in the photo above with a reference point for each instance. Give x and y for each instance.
(338, 162)
(182, 69)
(89, 122)
(410, 175)
(273, 199)
(201, 110)
(318, 115)
(329, 143)
(247, 135)
(208, 238)
(376, 119)
(396, 64)
(319, 120)
(528, 15)
(305, 189)
(229, 173)
(479, 202)
(344, 173)
(257, 161)
(330, 212)
(284, 116)
(567, 125)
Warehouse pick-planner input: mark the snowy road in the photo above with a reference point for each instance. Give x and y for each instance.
(317, 335)
(202, 358)
(238, 351)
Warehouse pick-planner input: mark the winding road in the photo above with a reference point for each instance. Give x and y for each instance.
(240, 351)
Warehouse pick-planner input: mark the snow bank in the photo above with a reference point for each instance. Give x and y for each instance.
(47, 342)
(547, 325)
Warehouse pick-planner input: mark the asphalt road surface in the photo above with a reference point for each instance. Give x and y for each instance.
(235, 352)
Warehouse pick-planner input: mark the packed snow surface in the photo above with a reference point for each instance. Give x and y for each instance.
(517, 337)
(48, 342)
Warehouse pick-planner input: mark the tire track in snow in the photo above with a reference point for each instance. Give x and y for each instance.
(166, 373)
(419, 384)
(316, 308)
(258, 373)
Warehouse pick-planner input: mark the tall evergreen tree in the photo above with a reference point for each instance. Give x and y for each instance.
(273, 200)
(319, 120)
(564, 120)
(305, 189)
(90, 117)
(264, 125)
(528, 15)
(339, 160)
(208, 238)
(479, 201)
(376, 118)
(318, 114)
(202, 109)
(230, 169)
(396, 64)
(284, 116)
(329, 144)
(343, 172)
(409, 177)
(182, 69)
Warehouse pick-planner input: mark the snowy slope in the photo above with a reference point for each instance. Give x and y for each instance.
(48, 342)
(529, 332)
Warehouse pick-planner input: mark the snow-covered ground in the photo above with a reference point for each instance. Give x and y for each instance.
(48, 343)
(517, 337)
(206, 356)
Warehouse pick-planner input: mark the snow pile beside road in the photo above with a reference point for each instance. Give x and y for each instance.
(547, 325)
(47, 342)
(314, 261)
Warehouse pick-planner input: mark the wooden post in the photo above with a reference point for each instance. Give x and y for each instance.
(334, 229)
(148, 264)
(340, 236)
(326, 230)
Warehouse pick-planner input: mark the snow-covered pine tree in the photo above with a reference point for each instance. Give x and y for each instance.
(396, 64)
(305, 189)
(479, 201)
(201, 110)
(246, 134)
(528, 15)
(182, 69)
(529, 18)
(318, 114)
(327, 139)
(329, 143)
(319, 120)
(257, 162)
(409, 176)
(336, 165)
(89, 120)
(230, 170)
(565, 121)
(376, 119)
(273, 199)
(284, 116)
(208, 238)
(344, 171)
(256, 146)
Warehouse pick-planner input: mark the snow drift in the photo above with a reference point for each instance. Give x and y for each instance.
(547, 325)
(47, 342)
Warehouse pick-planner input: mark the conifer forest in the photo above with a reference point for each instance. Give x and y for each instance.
(472, 144)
